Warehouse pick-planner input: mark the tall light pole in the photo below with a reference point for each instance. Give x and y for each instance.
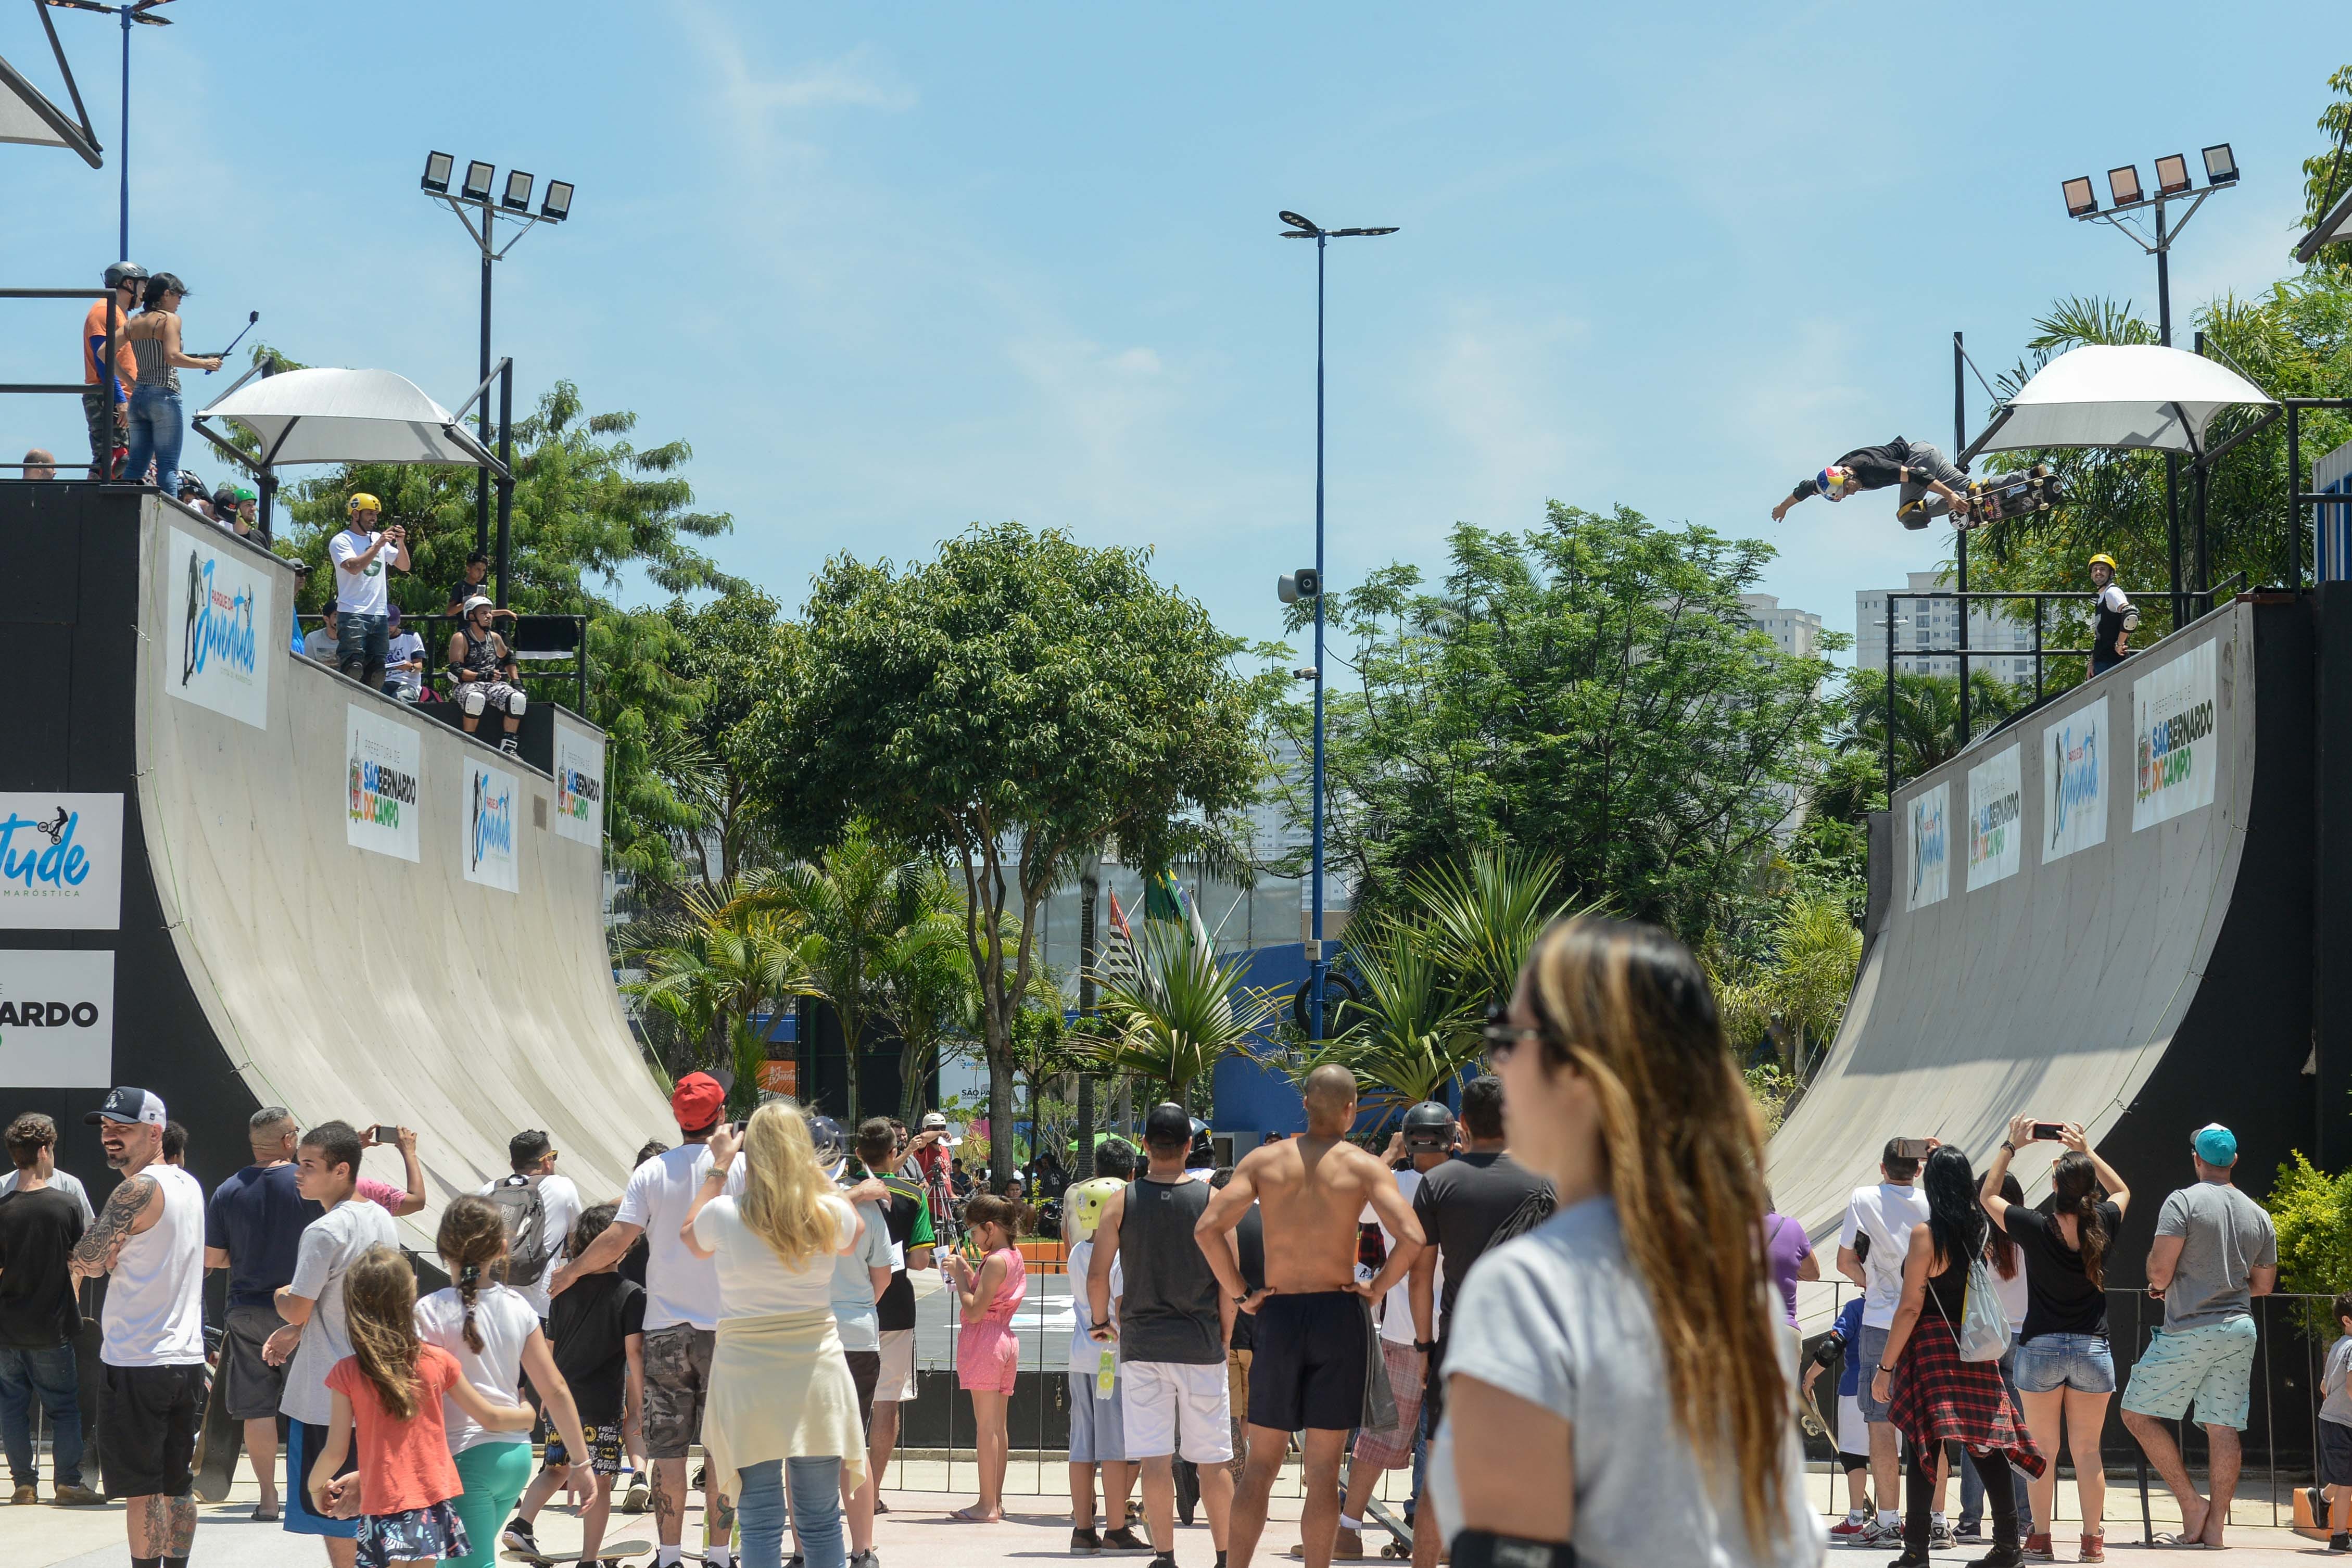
(1317, 966)
(514, 204)
(2173, 183)
(135, 11)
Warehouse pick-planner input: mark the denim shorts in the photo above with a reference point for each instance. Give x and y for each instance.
(2080, 1361)
(1869, 1351)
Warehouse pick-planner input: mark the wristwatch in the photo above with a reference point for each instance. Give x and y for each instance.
(1426, 1347)
(2007, 1147)
(1241, 1299)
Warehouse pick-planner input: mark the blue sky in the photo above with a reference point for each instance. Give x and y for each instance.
(894, 270)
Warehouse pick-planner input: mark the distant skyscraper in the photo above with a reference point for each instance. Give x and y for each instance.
(1798, 632)
(1994, 640)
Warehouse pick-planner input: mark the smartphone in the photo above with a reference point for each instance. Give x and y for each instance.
(2047, 1131)
(386, 1134)
(1911, 1148)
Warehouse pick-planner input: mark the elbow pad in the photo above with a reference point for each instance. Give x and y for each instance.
(1485, 1549)
(2131, 618)
(1828, 1349)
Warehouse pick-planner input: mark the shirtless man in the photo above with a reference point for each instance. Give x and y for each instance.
(1314, 1317)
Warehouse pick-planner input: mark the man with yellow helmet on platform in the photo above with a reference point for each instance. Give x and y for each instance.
(361, 558)
(1097, 1435)
(2114, 617)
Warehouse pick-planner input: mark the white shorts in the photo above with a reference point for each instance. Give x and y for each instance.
(897, 1382)
(1175, 1408)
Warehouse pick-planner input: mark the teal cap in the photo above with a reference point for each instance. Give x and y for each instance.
(2216, 1145)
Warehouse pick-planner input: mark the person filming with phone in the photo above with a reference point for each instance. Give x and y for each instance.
(1884, 1215)
(362, 555)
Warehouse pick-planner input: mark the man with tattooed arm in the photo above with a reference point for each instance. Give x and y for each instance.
(150, 1237)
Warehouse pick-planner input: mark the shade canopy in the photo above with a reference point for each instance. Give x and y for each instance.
(2332, 229)
(2119, 395)
(347, 417)
(27, 116)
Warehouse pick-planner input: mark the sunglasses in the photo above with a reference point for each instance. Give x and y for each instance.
(1502, 1035)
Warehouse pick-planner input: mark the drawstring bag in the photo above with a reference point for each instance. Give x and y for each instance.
(1984, 1323)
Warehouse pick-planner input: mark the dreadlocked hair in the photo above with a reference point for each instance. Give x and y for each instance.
(472, 1242)
(380, 1306)
(1627, 1009)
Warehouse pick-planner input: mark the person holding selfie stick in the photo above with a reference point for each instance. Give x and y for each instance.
(1884, 1215)
(364, 621)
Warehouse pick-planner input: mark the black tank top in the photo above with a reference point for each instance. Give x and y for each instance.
(2108, 628)
(481, 655)
(1169, 1310)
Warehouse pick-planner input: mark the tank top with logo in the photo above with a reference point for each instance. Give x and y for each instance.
(155, 1298)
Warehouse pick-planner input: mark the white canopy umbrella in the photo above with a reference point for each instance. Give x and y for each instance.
(2130, 395)
(347, 417)
(27, 116)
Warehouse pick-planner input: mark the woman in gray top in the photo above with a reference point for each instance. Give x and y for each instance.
(156, 430)
(1629, 1348)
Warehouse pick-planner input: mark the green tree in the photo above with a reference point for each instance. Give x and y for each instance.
(1177, 1010)
(1797, 993)
(1010, 705)
(1926, 720)
(2325, 174)
(924, 982)
(844, 904)
(1410, 1035)
(723, 650)
(721, 959)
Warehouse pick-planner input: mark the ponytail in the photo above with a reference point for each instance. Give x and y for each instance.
(2075, 1186)
(472, 1242)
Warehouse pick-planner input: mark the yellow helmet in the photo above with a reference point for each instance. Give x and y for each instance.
(363, 502)
(1085, 1200)
(2104, 559)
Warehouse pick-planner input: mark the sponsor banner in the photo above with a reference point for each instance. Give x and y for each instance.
(1996, 818)
(579, 784)
(488, 847)
(1930, 847)
(223, 636)
(60, 861)
(2177, 750)
(383, 759)
(57, 1019)
(2075, 781)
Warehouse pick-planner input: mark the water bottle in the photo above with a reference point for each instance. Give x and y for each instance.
(1107, 1373)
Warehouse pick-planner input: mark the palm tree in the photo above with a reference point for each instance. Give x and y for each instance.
(1798, 991)
(713, 965)
(923, 981)
(1926, 716)
(1178, 1010)
(1481, 920)
(1412, 1032)
(845, 905)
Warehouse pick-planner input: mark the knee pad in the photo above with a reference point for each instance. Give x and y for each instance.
(473, 699)
(515, 702)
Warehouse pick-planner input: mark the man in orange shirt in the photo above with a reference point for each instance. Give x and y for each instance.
(105, 405)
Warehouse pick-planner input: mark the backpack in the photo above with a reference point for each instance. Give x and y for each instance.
(529, 1252)
(1533, 1210)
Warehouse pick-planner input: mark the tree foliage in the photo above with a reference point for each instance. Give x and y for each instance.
(1175, 1009)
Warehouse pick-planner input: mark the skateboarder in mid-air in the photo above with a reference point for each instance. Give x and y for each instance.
(1931, 486)
(2114, 617)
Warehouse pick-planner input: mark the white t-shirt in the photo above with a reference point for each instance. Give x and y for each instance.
(64, 1181)
(155, 1312)
(679, 1286)
(561, 1200)
(752, 1280)
(2111, 598)
(330, 1244)
(2010, 1293)
(1887, 1214)
(856, 1317)
(1396, 1309)
(360, 593)
(319, 644)
(405, 646)
(505, 1321)
(1085, 1355)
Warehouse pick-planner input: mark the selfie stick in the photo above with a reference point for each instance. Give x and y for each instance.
(250, 317)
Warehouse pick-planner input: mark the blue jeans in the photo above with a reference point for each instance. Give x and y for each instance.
(362, 644)
(156, 432)
(51, 1377)
(816, 1512)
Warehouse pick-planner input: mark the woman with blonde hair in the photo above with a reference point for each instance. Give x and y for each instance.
(781, 1401)
(1629, 1348)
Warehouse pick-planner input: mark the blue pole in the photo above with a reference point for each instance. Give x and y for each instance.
(1318, 966)
(122, 153)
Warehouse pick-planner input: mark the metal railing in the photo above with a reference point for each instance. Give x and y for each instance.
(73, 388)
(571, 664)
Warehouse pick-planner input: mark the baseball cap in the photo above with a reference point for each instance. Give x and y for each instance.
(831, 1147)
(2215, 1145)
(133, 1107)
(1168, 1126)
(935, 1121)
(696, 1102)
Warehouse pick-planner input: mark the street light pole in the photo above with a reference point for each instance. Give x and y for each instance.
(129, 11)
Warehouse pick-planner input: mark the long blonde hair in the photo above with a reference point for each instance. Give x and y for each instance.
(782, 1184)
(1629, 1009)
(380, 1309)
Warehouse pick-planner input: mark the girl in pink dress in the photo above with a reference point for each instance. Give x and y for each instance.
(987, 1354)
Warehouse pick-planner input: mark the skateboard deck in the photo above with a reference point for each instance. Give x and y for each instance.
(218, 1442)
(611, 1552)
(2006, 496)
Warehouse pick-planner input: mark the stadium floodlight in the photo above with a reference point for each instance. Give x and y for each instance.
(438, 167)
(2220, 165)
(2081, 200)
(557, 204)
(518, 196)
(479, 176)
(2122, 184)
(2172, 174)
(1345, 233)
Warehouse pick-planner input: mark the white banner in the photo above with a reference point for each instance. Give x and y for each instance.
(223, 635)
(487, 845)
(383, 760)
(57, 1019)
(1996, 818)
(579, 784)
(2173, 714)
(1930, 847)
(60, 861)
(2075, 781)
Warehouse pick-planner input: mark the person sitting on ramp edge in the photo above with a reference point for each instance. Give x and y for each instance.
(1919, 468)
(2114, 617)
(478, 662)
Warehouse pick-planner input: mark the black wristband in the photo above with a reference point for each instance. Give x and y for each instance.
(1485, 1549)
(1426, 1347)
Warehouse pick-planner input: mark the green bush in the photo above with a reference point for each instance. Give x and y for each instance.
(2312, 1213)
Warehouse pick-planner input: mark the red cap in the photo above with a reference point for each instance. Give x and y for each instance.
(696, 1102)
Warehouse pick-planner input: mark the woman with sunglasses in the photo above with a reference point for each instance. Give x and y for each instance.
(1628, 1349)
(156, 430)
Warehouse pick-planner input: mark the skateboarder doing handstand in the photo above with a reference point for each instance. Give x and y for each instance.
(1919, 468)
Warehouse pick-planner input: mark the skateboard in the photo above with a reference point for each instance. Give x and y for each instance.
(218, 1443)
(2006, 496)
(610, 1552)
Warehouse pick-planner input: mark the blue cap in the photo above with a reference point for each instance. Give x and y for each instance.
(832, 1146)
(2216, 1145)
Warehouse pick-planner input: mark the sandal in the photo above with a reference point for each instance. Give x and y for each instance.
(972, 1516)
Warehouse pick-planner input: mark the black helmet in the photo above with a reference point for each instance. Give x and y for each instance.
(123, 272)
(1428, 1128)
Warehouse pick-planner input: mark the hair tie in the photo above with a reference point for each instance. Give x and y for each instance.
(470, 1275)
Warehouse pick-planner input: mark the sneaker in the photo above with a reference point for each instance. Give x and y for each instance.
(2339, 1542)
(1940, 1537)
(1911, 1560)
(2039, 1549)
(1844, 1531)
(73, 1494)
(2000, 1557)
(1165, 1560)
(507, 746)
(1124, 1539)
(2095, 1548)
(866, 1559)
(1968, 1529)
(1880, 1534)
(1085, 1543)
(517, 1537)
(637, 1497)
(26, 1494)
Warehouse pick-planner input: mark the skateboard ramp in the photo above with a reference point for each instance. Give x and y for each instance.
(325, 901)
(2100, 914)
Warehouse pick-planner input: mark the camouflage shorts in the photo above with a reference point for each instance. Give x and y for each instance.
(678, 1378)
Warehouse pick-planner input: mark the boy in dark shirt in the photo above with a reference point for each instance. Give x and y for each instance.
(39, 1224)
(598, 1326)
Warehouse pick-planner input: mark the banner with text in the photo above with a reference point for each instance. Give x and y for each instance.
(2178, 752)
(1996, 818)
(60, 861)
(488, 847)
(223, 636)
(2075, 781)
(383, 761)
(1930, 847)
(57, 1019)
(579, 784)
